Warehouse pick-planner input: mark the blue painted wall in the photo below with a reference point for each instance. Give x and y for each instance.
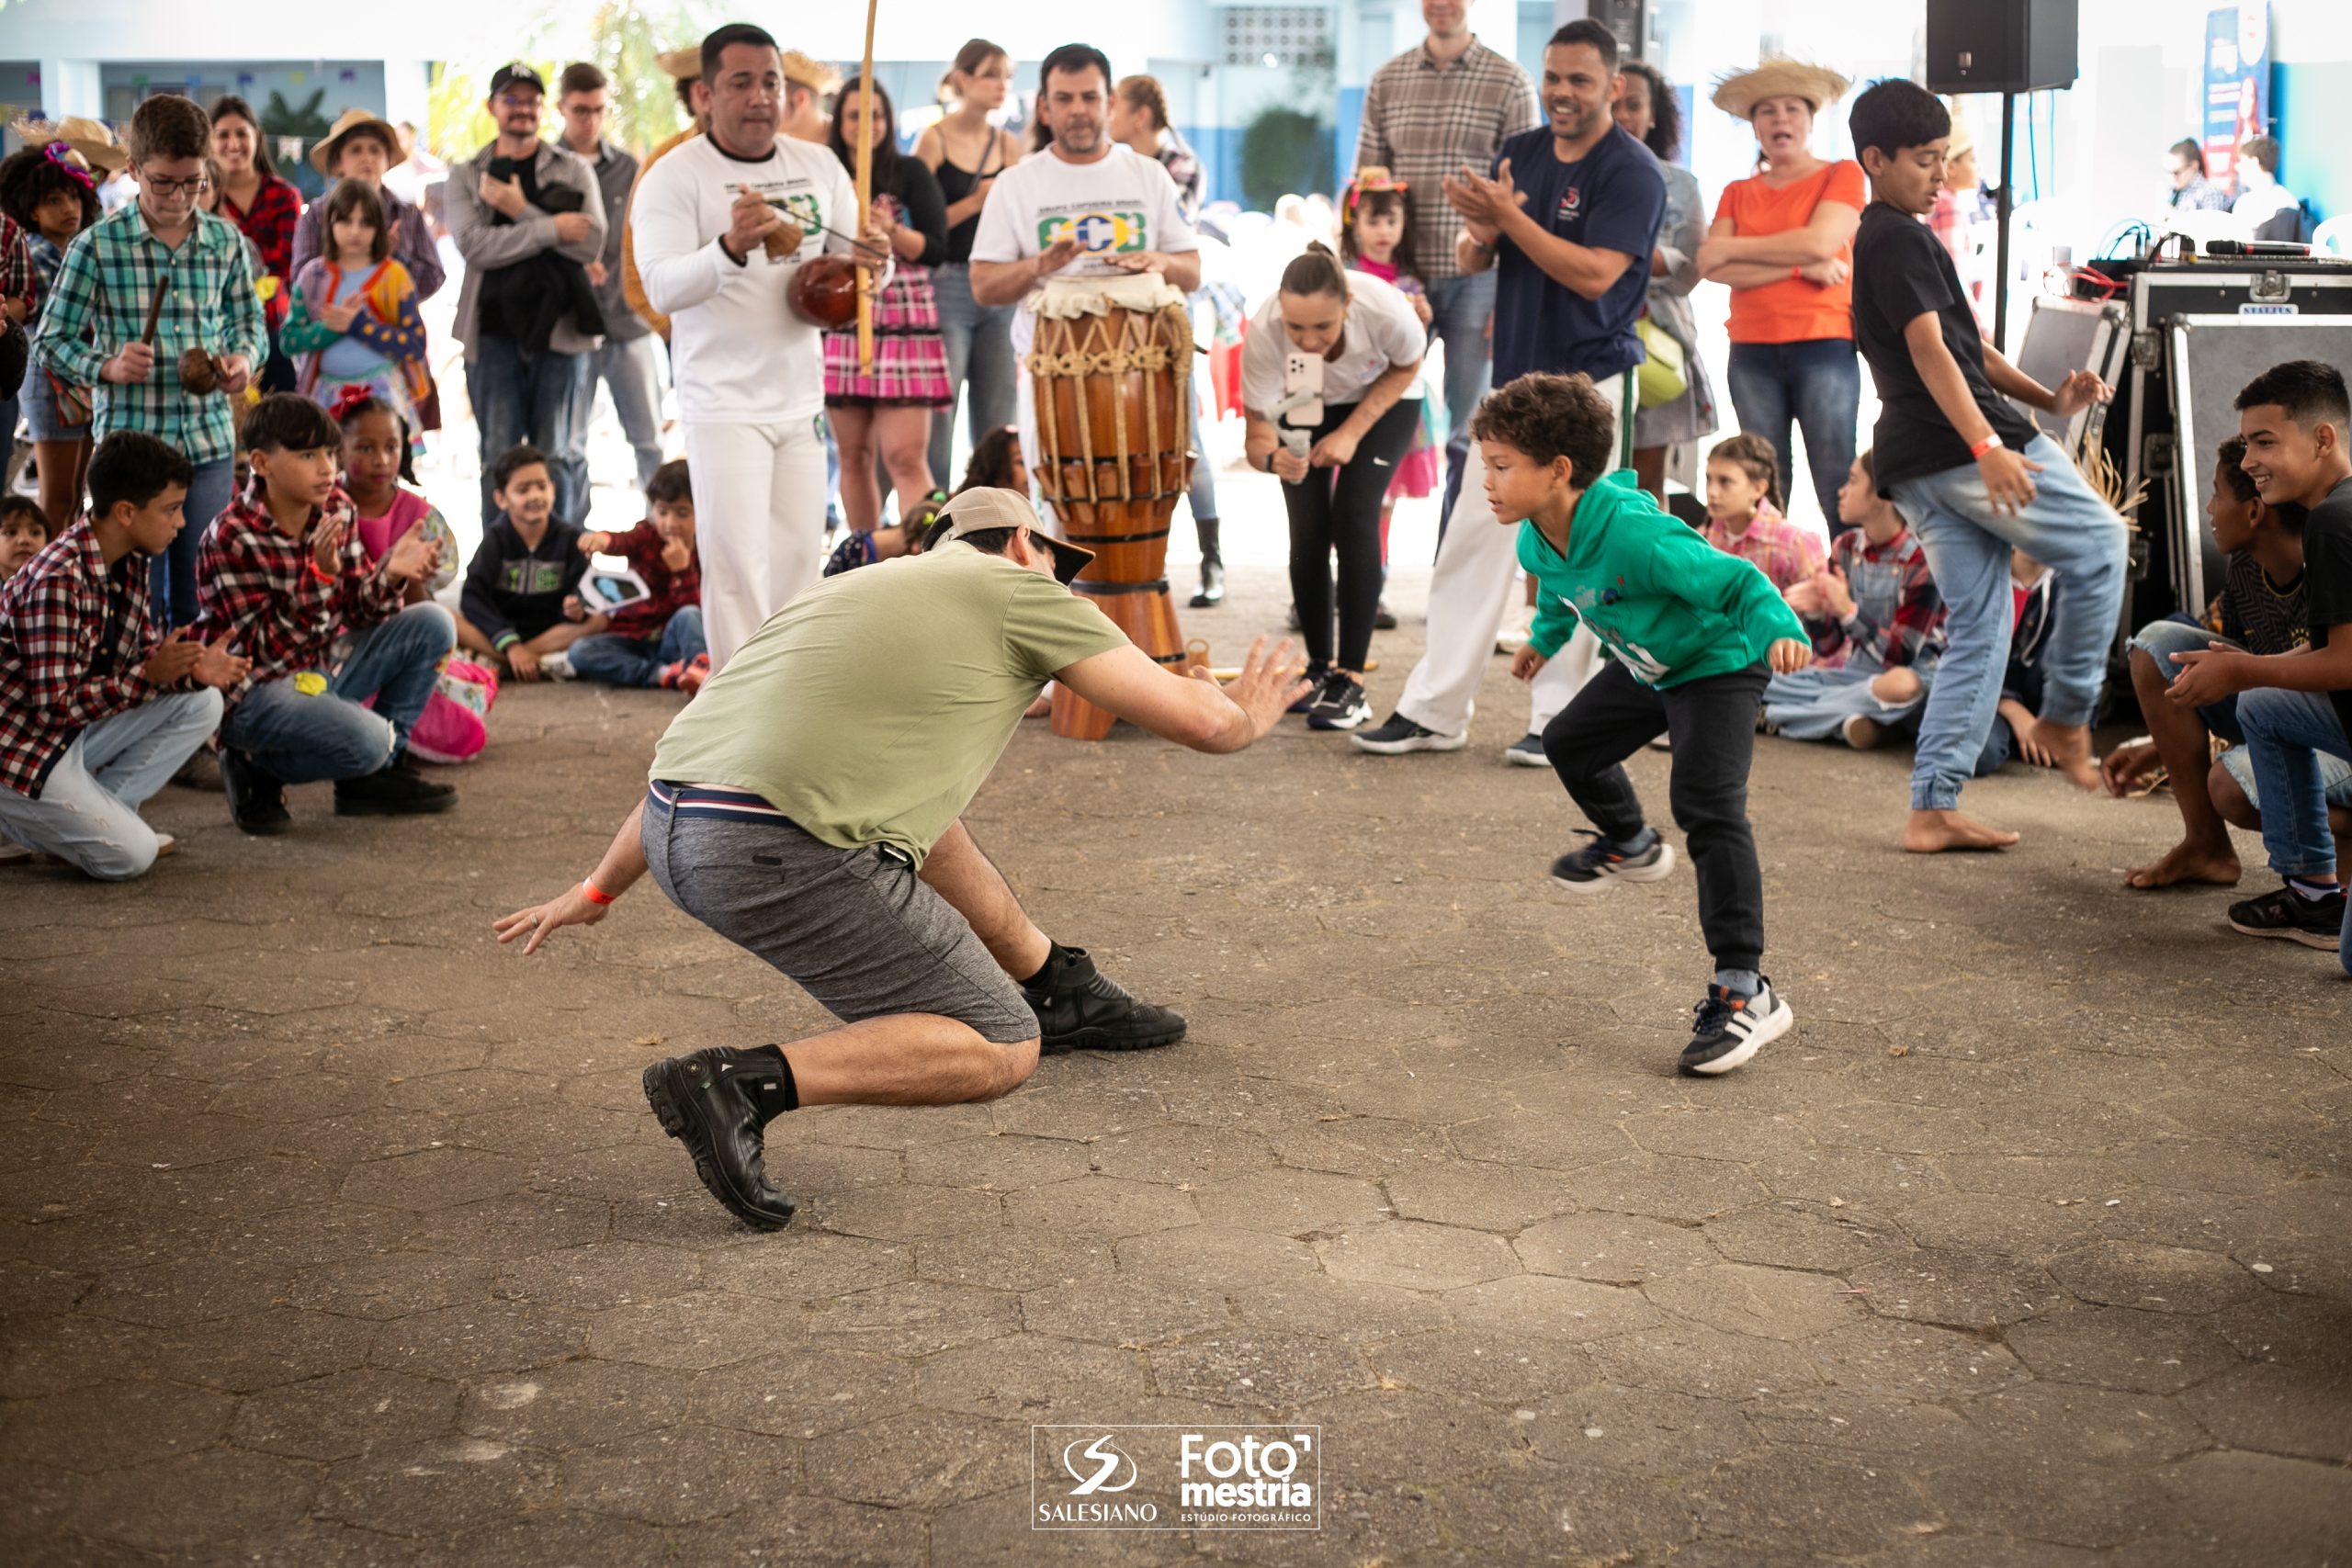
(2312, 104)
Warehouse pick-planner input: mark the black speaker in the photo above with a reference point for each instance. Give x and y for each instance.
(2001, 46)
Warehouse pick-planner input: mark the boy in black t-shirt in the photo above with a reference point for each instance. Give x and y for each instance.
(1974, 476)
(2296, 706)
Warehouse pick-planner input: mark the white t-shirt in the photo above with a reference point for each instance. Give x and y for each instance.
(739, 353)
(1382, 332)
(1119, 203)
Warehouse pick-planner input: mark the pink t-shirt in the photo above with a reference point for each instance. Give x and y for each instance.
(408, 509)
(1778, 549)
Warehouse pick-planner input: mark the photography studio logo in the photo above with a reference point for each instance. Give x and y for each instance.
(1176, 1477)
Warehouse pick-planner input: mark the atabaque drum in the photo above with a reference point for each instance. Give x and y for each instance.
(1110, 373)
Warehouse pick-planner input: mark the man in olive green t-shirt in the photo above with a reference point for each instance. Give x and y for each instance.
(807, 806)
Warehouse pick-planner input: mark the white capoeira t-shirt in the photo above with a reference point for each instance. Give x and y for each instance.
(1121, 204)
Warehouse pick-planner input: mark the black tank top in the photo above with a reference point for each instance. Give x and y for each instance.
(956, 184)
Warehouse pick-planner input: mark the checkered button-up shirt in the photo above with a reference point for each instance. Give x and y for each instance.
(1898, 612)
(1423, 121)
(73, 648)
(16, 280)
(256, 585)
(104, 290)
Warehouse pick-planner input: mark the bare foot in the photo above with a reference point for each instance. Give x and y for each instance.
(2186, 861)
(1932, 832)
(2069, 749)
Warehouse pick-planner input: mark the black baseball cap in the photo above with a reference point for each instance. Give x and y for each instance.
(517, 74)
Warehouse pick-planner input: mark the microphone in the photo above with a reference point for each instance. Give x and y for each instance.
(2255, 248)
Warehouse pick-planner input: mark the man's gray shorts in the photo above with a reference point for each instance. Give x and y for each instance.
(855, 929)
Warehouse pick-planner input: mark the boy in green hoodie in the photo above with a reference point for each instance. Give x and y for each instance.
(1692, 631)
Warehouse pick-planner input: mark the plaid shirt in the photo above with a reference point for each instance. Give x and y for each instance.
(256, 584)
(278, 206)
(73, 648)
(17, 279)
(103, 293)
(1423, 121)
(1898, 612)
(1774, 546)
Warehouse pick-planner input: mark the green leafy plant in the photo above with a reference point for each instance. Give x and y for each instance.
(1284, 151)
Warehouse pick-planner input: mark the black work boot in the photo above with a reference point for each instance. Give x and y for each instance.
(1078, 1009)
(256, 798)
(396, 789)
(1212, 592)
(716, 1102)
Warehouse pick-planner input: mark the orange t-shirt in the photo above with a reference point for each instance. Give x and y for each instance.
(1792, 310)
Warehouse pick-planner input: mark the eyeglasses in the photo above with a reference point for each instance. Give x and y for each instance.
(191, 185)
(520, 100)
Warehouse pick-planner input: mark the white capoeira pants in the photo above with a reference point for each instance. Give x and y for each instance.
(759, 522)
(1470, 592)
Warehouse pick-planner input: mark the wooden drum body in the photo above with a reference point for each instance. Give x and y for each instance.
(1110, 370)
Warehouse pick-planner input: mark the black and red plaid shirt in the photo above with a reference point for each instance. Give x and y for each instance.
(16, 279)
(269, 224)
(669, 591)
(73, 648)
(258, 586)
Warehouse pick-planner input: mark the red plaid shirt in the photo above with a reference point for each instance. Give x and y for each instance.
(73, 648)
(669, 591)
(16, 279)
(256, 585)
(278, 206)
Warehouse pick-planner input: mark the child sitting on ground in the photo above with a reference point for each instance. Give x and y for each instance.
(1744, 513)
(521, 604)
(901, 538)
(278, 574)
(95, 713)
(656, 640)
(1692, 631)
(996, 464)
(376, 446)
(2035, 592)
(24, 534)
(2262, 611)
(1877, 624)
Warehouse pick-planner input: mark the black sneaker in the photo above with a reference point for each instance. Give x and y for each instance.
(1384, 619)
(2314, 922)
(1600, 862)
(1399, 735)
(1527, 752)
(393, 790)
(1316, 675)
(1079, 1009)
(1731, 1029)
(256, 798)
(714, 1103)
(1341, 704)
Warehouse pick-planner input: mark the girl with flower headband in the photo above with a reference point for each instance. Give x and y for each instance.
(50, 192)
(1377, 238)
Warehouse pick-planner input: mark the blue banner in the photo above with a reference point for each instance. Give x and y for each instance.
(2237, 85)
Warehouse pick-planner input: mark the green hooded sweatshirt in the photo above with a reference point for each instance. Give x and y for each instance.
(1668, 604)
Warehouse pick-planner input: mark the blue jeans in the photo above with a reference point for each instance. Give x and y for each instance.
(1818, 386)
(620, 660)
(303, 738)
(632, 373)
(171, 578)
(1459, 311)
(2286, 732)
(87, 812)
(542, 399)
(980, 363)
(2067, 526)
(1202, 496)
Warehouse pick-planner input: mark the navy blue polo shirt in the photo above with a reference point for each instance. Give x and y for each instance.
(1612, 199)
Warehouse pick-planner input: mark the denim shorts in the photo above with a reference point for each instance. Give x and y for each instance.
(856, 928)
(39, 400)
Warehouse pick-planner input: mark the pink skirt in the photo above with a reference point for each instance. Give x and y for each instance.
(909, 356)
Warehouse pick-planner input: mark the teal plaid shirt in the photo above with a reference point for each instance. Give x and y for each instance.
(104, 289)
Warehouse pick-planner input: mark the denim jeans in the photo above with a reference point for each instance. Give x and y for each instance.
(87, 812)
(2160, 640)
(1202, 498)
(542, 399)
(979, 363)
(619, 660)
(631, 371)
(171, 578)
(303, 738)
(1460, 309)
(2287, 732)
(1818, 386)
(2067, 526)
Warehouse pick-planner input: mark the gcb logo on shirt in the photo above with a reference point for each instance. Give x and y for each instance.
(1094, 231)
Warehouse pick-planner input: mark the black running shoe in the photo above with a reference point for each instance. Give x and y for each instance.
(1079, 1009)
(396, 789)
(714, 1103)
(1341, 704)
(1314, 676)
(1399, 735)
(2314, 922)
(256, 798)
(1600, 862)
(1384, 619)
(1731, 1029)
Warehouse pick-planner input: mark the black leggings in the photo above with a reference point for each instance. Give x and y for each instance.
(1340, 508)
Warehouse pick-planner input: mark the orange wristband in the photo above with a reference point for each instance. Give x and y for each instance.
(1985, 445)
(594, 894)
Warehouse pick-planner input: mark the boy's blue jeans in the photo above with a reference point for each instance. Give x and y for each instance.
(2285, 733)
(2067, 526)
(298, 738)
(620, 660)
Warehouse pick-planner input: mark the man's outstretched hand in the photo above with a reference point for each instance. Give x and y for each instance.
(1268, 685)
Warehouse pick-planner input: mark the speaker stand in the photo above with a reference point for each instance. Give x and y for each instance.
(2001, 247)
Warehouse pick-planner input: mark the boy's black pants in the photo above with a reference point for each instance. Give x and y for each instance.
(1712, 724)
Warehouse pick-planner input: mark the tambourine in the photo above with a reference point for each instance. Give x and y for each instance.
(824, 291)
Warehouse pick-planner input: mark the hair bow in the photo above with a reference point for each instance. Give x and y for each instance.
(353, 397)
(65, 158)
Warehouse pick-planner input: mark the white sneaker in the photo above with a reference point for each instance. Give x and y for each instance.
(166, 844)
(1731, 1030)
(557, 666)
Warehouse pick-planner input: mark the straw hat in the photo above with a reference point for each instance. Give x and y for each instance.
(813, 74)
(1779, 77)
(350, 123)
(1963, 140)
(91, 138)
(680, 65)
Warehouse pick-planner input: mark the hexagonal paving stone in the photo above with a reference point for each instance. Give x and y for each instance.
(1338, 1309)
(1185, 1155)
(1125, 1311)
(1912, 1360)
(806, 1266)
(396, 1284)
(346, 1415)
(1706, 1364)
(478, 1337)
(2277, 1411)
(2144, 1352)
(1478, 1196)
(1265, 1370)
(915, 1318)
(1416, 1255)
(805, 1529)
(690, 1332)
(2092, 1425)
(1211, 1255)
(113, 1425)
(171, 1295)
(1542, 1513)
(2153, 1278)
(1031, 1378)
(2047, 1496)
(1495, 1366)
(910, 1213)
(572, 1403)
(433, 1178)
(1291, 1202)
(1402, 1438)
(1543, 1139)
(592, 1279)
(438, 1489)
(1826, 1503)
(180, 1507)
(799, 1391)
(1643, 1431)
(1666, 1186)
(1001, 1162)
(1102, 1205)
(2242, 1510)
(281, 1346)
(1779, 1303)
(1959, 1290)
(523, 1225)
(679, 1476)
(1007, 1259)
(1574, 1310)
(1612, 1249)
(920, 1459)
